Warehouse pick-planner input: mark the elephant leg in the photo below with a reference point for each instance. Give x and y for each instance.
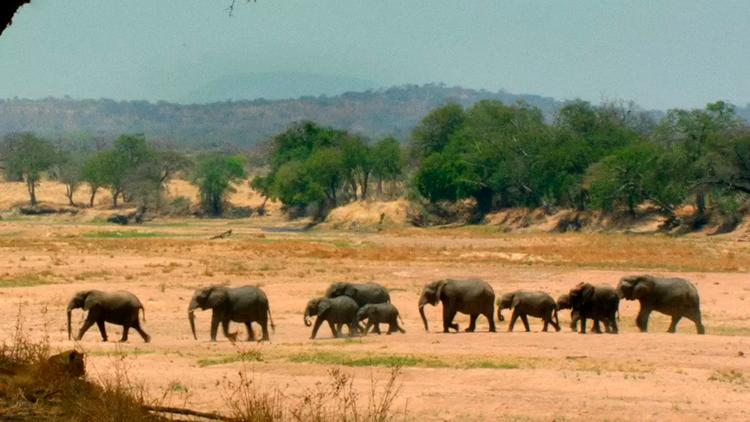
(249, 326)
(448, 315)
(225, 329)
(316, 326)
(554, 324)
(583, 324)
(86, 325)
(513, 319)
(264, 330)
(125, 330)
(642, 319)
(472, 323)
(673, 325)
(214, 326)
(353, 329)
(376, 328)
(139, 330)
(525, 320)
(367, 327)
(102, 329)
(336, 329)
(696, 318)
(491, 319)
(597, 327)
(574, 317)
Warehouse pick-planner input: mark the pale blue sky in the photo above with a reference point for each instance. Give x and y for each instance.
(660, 54)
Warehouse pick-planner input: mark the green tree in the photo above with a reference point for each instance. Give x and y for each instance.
(27, 157)
(357, 164)
(387, 161)
(70, 173)
(214, 175)
(698, 133)
(435, 130)
(94, 173)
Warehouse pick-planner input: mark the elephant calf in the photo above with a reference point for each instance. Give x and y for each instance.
(340, 310)
(118, 307)
(675, 297)
(378, 313)
(563, 302)
(535, 303)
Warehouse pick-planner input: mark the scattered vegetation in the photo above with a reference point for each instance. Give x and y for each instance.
(245, 356)
(25, 280)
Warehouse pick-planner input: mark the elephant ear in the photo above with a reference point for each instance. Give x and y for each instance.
(350, 291)
(216, 297)
(643, 287)
(439, 290)
(323, 307)
(90, 300)
(587, 293)
(515, 301)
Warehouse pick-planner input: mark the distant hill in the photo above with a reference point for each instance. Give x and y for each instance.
(378, 113)
(274, 86)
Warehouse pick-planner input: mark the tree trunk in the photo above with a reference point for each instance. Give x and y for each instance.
(31, 187)
(380, 187)
(365, 183)
(93, 196)
(69, 191)
(115, 194)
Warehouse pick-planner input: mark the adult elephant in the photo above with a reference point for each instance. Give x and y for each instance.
(119, 307)
(246, 304)
(675, 297)
(362, 293)
(598, 302)
(472, 297)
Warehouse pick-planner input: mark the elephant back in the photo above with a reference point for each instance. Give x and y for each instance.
(247, 296)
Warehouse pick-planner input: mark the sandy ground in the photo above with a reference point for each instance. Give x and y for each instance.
(464, 376)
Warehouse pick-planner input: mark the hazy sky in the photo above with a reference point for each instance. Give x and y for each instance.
(660, 54)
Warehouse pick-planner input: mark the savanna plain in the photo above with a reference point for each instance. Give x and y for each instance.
(459, 376)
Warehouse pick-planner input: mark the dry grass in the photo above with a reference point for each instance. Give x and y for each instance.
(332, 401)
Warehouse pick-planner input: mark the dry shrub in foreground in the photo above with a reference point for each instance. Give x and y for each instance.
(36, 386)
(332, 401)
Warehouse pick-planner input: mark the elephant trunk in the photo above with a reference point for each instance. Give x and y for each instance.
(500, 316)
(191, 317)
(422, 303)
(71, 305)
(307, 319)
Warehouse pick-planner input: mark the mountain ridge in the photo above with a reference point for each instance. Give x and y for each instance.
(376, 113)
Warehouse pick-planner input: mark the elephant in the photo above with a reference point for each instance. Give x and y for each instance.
(380, 313)
(535, 303)
(118, 307)
(600, 303)
(340, 310)
(245, 304)
(675, 297)
(563, 302)
(363, 294)
(472, 297)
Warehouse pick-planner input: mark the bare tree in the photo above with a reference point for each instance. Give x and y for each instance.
(8, 8)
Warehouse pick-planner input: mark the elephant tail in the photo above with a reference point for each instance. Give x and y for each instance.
(400, 320)
(270, 318)
(143, 311)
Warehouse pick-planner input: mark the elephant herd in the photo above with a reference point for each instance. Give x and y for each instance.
(351, 304)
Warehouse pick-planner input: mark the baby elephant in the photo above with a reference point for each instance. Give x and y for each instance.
(118, 307)
(384, 313)
(535, 303)
(336, 311)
